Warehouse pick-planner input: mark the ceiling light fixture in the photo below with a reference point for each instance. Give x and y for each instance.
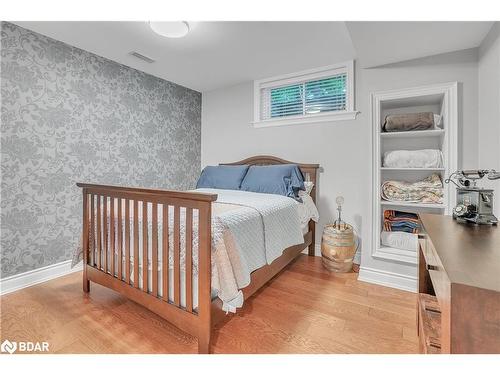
(171, 29)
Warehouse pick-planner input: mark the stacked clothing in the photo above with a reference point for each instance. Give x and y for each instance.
(400, 230)
(398, 221)
(429, 190)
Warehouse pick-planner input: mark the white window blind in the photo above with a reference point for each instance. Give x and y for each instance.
(310, 96)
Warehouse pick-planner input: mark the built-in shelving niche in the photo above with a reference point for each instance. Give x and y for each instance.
(439, 99)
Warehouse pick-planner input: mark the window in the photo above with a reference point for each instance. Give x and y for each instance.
(323, 94)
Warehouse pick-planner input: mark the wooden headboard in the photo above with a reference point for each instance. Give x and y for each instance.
(308, 170)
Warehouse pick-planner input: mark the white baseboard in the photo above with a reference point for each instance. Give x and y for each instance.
(390, 279)
(23, 280)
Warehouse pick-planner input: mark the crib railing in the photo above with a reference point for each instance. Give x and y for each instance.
(129, 235)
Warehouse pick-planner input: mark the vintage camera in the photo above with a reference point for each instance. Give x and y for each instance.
(474, 204)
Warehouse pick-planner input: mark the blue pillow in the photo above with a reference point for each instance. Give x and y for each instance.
(222, 177)
(282, 179)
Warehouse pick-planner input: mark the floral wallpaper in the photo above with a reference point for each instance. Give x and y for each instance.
(68, 115)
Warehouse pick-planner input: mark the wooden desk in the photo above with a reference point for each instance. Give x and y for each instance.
(459, 286)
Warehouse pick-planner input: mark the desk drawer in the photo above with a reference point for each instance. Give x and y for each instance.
(439, 278)
(442, 288)
(428, 251)
(429, 324)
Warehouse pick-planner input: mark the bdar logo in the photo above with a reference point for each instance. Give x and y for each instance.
(24, 346)
(8, 347)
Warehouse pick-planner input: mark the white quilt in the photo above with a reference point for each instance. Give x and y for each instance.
(280, 221)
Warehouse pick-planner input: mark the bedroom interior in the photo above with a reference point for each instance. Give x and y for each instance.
(201, 188)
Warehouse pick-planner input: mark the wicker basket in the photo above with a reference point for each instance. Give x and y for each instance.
(338, 248)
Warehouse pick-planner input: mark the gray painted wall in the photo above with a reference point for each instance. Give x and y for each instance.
(489, 108)
(68, 115)
(343, 148)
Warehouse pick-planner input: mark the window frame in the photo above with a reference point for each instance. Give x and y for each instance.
(349, 113)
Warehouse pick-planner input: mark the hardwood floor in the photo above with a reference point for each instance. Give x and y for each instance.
(305, 309)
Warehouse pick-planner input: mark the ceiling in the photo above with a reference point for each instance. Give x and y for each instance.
(213, 54)
(219, 54)
(381, 43)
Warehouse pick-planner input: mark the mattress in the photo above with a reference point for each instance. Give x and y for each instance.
(236, 220)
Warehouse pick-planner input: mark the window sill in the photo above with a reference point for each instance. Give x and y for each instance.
(300, 120)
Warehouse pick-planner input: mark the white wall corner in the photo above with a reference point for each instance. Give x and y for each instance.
(23, 280)
(317, 250)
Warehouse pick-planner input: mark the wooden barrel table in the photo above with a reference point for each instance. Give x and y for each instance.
(337, 247)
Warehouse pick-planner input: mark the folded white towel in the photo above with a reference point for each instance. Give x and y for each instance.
(413, 159)
(400, 240)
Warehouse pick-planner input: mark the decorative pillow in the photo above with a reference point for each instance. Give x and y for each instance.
(283, 179)
(222, 177)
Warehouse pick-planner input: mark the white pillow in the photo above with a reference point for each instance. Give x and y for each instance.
(307, 209)
(309, 186)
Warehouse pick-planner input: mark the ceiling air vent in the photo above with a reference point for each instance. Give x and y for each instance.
(142, 57)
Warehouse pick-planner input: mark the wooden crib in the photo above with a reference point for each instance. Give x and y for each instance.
(124, 203)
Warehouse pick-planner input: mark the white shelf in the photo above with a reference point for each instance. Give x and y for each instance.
(411, 169)
(414, 134)
(412, 204)
(440, 99)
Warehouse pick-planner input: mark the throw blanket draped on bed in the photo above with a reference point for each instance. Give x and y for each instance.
(429, 190)
(279, 217)
(249, 230)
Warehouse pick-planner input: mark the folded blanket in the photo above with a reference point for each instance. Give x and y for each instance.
(400, 240)
(429, 190)
(413, 159)
(409, 121)
(398, 221)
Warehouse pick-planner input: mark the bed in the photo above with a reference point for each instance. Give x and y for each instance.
(169, 250)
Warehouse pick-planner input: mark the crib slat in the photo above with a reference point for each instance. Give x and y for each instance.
(204, 263)
(145, 246)
(127, 241)
(85, 241)
(164, 248)
(112, 235)
(154, 258)
(189, 259)
(120, 239)
(136, 244)
(92, 230)
(177, 276)
(105, 230)
(99, 239)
